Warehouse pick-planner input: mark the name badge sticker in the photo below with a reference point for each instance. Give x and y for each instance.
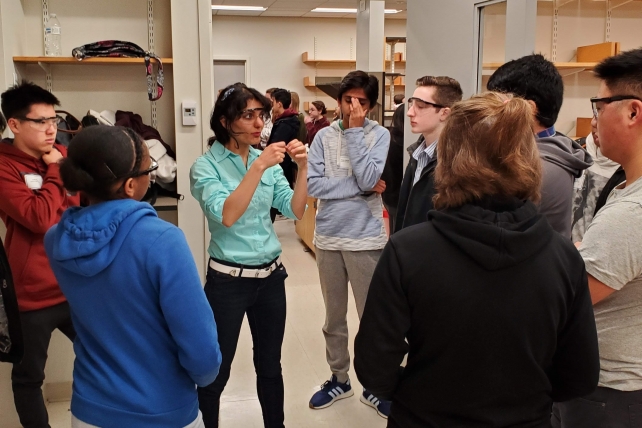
(344, 162)
(33, 181)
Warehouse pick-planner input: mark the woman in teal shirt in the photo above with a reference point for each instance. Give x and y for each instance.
(236, 186)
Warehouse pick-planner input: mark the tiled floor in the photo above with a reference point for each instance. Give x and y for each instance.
(304, 365)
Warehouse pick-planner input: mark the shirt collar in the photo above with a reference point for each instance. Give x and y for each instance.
(219, 152)
(547, 132)
(428, 149)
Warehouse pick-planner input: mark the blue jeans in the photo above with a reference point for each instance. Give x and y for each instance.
(263, 300)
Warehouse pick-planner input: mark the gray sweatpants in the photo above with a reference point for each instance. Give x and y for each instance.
(336, 268)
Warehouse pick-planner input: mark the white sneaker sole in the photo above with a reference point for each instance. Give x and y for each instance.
(339, 397)
(368, 403)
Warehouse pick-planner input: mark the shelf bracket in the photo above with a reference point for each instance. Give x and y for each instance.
(615, 5)
(45, 19)
(151, 48)
(48, 78)
(610, 6)
(571, 71)
(557, 5)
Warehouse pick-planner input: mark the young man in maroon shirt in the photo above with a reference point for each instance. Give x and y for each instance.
(32, 199)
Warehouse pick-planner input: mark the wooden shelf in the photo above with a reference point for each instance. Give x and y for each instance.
(559, 65)
(309, 83)
(307, 59)
(71, 60)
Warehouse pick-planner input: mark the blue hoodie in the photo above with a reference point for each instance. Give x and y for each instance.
(146, 334)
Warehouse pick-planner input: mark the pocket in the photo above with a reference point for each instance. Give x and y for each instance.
(635, 415)
(265, 191)
(268, 179)
(216, 278)
(583, 413)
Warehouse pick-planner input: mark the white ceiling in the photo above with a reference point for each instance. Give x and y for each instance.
(302, 8)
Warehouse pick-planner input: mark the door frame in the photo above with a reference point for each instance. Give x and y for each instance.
(478, 43)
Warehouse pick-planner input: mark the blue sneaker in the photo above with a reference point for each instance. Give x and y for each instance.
(381, 406)
(330, 392)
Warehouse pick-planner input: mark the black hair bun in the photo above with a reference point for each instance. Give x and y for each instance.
(74, 177)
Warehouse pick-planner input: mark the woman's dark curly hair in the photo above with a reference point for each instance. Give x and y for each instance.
(230, 104)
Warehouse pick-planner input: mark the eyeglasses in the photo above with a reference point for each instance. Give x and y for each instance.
(420, 104)
(42, 124)
(250, 115)
(362, 101)
(149, 171)
(608, 100)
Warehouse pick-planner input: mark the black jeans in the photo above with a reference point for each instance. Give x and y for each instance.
(28, 376)
(263, 300)
(604, 408)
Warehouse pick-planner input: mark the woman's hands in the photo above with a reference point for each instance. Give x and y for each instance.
(298, 152)
(271, 155)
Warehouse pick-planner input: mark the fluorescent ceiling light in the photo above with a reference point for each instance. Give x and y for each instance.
(238, 8)
(345, 10)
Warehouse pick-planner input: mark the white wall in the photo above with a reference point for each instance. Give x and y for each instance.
(274, 47)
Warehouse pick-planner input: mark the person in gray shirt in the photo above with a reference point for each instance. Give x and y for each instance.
(612, 254)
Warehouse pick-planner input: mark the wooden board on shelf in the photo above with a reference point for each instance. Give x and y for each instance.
(583, 126)
(72, 60)
(309, 83)
(308, 59)
(560, 65)
(597, 53)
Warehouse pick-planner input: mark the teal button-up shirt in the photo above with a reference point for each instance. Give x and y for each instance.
(251, 240)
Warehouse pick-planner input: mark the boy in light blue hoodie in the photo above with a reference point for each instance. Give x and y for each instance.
(346, 161)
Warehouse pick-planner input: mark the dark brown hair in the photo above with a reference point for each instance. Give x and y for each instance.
(447, 90)
(487, 148)
(320, 105)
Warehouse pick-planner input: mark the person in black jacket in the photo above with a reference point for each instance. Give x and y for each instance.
(285, 128)
(491, 305)
(393, 171)
(11, 347)
(428, 110)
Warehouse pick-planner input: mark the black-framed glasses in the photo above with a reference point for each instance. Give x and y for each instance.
(42, 124)
(152, 167)
(608, 100)
(149, 171)
(251, 114)
(420, 104)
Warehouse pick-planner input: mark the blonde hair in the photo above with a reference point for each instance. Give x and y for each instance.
(295, 101)
(487, 148)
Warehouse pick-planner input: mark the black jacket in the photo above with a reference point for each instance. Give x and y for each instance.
(286, 129)
(492, 307)
(11, 346)
(415, 201)
(393, 171)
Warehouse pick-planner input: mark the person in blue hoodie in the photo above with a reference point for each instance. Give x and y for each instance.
(146, 335)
